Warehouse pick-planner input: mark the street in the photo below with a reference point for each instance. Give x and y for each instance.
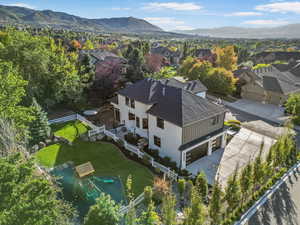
(283, 208)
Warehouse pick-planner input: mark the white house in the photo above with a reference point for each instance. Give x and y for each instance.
(174, 116)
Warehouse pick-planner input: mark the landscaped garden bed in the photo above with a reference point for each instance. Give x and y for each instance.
(105, 157)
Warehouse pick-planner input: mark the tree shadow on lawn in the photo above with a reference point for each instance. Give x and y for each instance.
(107, 160)
(281, 208)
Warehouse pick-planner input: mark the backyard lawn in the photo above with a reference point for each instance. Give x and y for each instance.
(105, 157)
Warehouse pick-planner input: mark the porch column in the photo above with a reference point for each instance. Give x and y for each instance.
(183, 160)
(209, 150)
(224, 140)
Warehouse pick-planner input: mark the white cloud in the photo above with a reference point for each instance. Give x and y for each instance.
(245, 14)
(178, 6)
(168, 23)
(266, 22)
(20, 4)
(120, 9)
(282, 7)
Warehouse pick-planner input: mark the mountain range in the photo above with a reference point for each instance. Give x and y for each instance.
(287, 31)
(48, 18)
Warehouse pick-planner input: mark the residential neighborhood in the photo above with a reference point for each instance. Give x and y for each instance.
(142, 117)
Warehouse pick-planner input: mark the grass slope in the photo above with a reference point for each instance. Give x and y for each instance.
(105, 157)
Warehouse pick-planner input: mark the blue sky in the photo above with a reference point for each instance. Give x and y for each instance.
(179, 14)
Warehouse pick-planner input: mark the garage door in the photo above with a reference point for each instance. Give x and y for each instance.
(196, 153)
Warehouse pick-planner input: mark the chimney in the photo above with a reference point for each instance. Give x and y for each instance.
(164, 91)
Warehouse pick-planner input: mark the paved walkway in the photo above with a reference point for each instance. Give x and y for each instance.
(208, 164)
(283, 208)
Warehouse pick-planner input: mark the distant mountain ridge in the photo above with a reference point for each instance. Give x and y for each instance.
(20, 15)
(287, 31)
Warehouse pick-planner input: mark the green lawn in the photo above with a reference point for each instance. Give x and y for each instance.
(105, 157)
(70, 130)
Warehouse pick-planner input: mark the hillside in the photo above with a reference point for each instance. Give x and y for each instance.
(287, 31)
(20, 15)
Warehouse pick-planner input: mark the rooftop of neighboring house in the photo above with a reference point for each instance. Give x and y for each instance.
(172, 101)
(165, 51)
(283, 79)
(100, 54)
(280, 55)
(203, 52)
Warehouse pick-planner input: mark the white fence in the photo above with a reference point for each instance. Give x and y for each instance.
(63, 119)
(135, 202)
(96, 130)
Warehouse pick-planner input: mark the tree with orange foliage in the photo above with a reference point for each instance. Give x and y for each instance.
(75, 44)
(226, 58)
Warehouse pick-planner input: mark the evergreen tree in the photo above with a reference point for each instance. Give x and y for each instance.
(130, 218)
(39, 128)
(196, 213)
(181, 187)
(246, 181)
(215, 205)
(233, 192)
(150, 217)
(104, 212)
(201, 185)
(148, 193)
(258, 169)
(129, 188)
(168, 210)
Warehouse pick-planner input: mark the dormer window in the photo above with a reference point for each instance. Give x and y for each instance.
(160, 123)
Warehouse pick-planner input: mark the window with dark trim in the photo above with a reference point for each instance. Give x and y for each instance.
(160, 123)
(132, 103)
(157, 141)
(127, 101)
(137, 122)
(215, 120)
(131, 116)
(145, 123)
(117, 115)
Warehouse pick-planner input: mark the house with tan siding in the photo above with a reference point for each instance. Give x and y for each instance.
(175, 117)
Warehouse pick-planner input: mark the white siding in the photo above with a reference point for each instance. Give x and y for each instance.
(171, 139)
(139, 110)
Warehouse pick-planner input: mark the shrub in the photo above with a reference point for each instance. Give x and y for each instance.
(132, 138)
(148, 194)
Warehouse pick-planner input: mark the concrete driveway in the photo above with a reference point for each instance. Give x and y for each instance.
(208, 164)
(267, 112)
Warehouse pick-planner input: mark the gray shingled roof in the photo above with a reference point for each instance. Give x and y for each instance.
(194, 86)
(173, 104)
(274, 84)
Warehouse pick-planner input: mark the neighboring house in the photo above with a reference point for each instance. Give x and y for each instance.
(270, 57)
(173, 117)
(172, 56)
(205, 54)
(107, 64)
(270, 85)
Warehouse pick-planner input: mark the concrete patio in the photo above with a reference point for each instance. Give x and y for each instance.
(208, 164)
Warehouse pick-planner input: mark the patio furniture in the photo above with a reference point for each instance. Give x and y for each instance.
(84, 169)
